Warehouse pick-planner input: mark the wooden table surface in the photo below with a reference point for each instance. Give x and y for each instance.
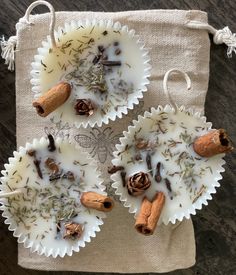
(215, 225)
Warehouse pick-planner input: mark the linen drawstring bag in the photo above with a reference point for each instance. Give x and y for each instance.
(175, 39)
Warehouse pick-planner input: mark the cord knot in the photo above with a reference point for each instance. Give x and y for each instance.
(227, 37)
(8, 51)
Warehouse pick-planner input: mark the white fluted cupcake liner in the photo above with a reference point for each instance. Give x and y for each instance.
(172, 212)
(138, 74)
(39, 234)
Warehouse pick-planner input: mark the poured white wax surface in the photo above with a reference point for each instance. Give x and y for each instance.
(188, 185)
(60, 63)
(41, 233)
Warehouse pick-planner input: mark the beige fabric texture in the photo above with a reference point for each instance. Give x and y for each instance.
(118, 248)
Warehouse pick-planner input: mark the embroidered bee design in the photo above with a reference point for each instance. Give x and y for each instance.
(99, 142)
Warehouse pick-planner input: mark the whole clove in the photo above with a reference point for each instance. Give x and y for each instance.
(123, 175)
(110, 63)
(158, 177)
(51, 145)
(149, 163)
(113, 169)
(168, 185)
(32, 153)
(37, 165)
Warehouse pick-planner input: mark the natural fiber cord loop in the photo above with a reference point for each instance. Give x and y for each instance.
(165, 88)
(53, 18)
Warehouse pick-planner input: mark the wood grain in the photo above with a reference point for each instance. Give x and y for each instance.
(215, 225)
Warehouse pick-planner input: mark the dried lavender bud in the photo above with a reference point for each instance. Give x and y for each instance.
(113, 169)
(168, 185)
(96, 59)
(51, 145)
(84, 107)
(117, 51)
(37, 165)
(158, 177)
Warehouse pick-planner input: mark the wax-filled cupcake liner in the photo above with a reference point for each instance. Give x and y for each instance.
(31, 215)
(124, 85)
(204, 177)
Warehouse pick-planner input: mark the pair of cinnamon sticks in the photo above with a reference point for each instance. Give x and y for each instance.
(213, 143)
(149, 214)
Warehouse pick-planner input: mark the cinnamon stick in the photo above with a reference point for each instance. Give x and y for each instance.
(149, 214)
(97, 201)
(52, 99)
(213, 143)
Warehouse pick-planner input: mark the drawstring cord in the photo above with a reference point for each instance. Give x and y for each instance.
(8, 46)
(224, 36)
